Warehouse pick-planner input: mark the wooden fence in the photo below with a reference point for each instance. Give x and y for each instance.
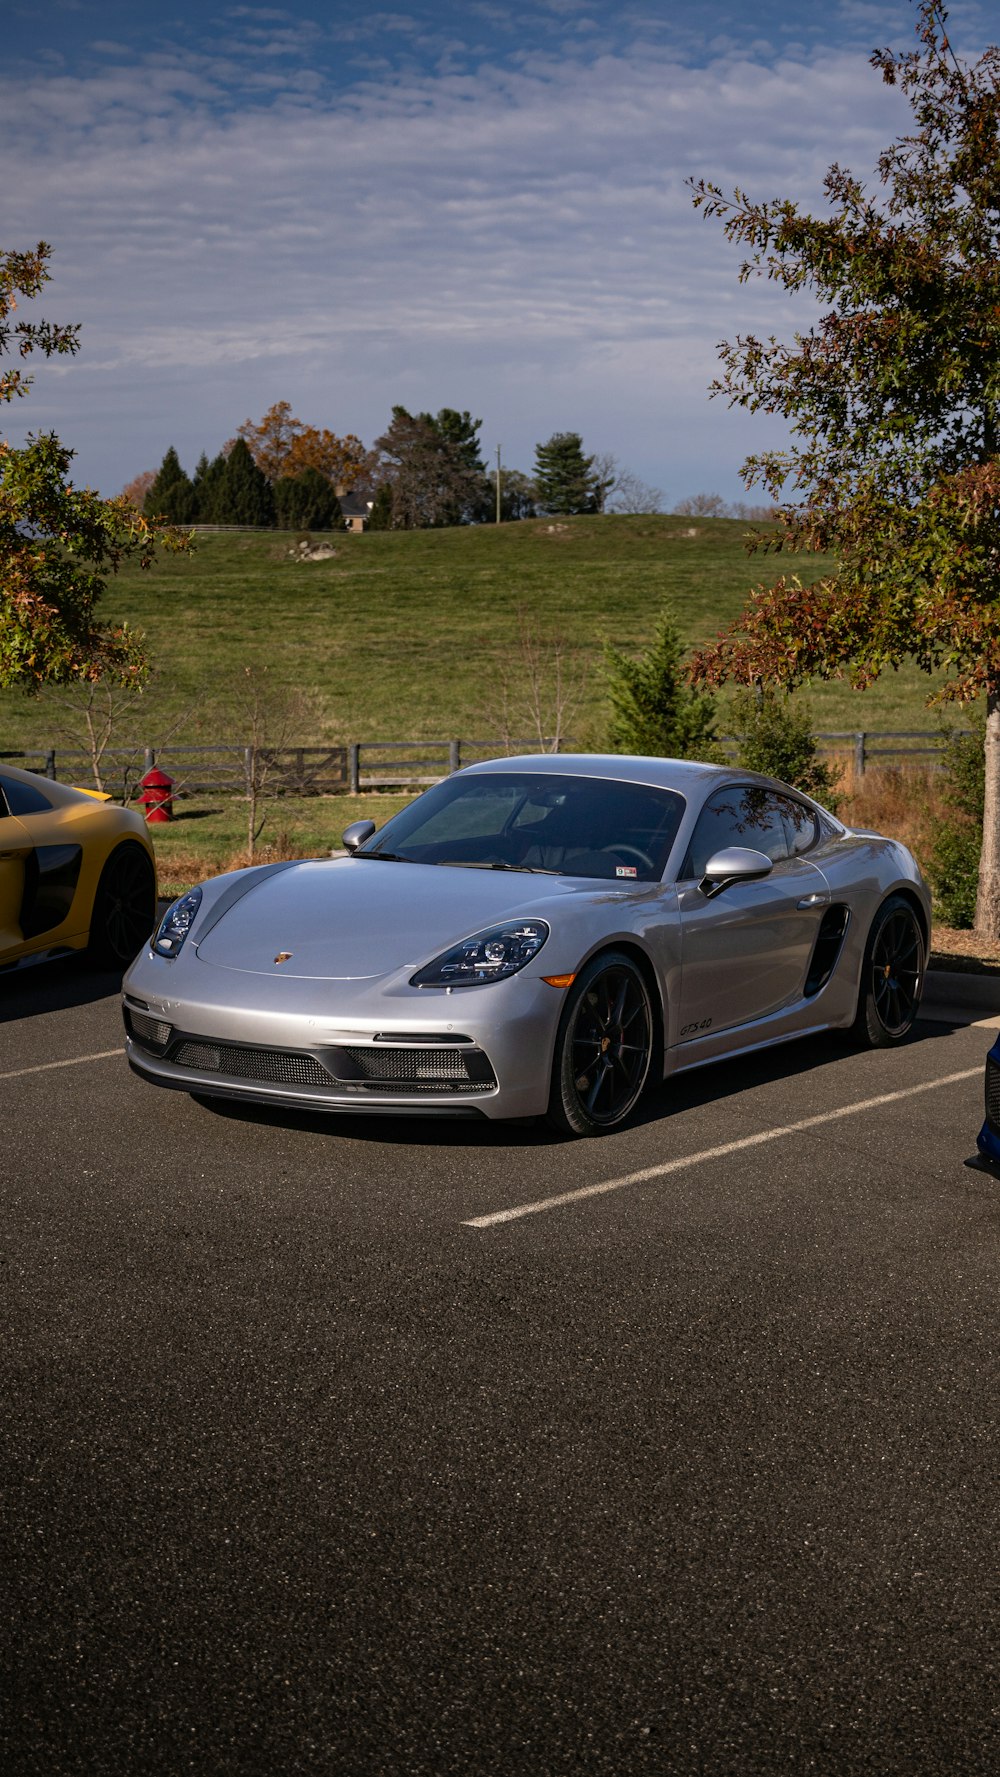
(369, 765)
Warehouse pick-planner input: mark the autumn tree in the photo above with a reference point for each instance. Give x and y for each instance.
(135, 491)
(893, 399)
(59, 544)
(565, 480)
(281, 446)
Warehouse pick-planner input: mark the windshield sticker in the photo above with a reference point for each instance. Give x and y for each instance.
(626, 870)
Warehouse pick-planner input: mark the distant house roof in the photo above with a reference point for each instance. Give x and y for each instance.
(354, 506)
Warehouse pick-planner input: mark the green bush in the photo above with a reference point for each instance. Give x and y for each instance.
(655, 712)
(774, 734)
(953, 865)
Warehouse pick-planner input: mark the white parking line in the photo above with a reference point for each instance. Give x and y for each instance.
(729, 1147)
(73, 1061)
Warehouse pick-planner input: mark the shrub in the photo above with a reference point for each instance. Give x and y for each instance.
(655, 711)
(953, 864)
(774, 735)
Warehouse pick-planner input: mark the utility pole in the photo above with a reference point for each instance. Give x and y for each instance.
(498, 484)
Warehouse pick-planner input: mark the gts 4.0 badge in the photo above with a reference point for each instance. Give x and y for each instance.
(692, 1030)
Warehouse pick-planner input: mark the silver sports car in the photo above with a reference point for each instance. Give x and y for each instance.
(534, 936)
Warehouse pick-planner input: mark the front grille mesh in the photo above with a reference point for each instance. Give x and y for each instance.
(411, 1066)
(993, 1094)
(280, 1067)
(151, 1031)
(355, 1068)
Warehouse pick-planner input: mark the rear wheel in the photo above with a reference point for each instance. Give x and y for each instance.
(892, 976)
(124, 907)
(604, 1047)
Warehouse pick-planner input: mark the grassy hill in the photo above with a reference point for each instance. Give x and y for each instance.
(412, 635)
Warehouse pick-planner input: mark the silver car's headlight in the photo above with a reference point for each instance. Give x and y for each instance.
(176, 924)
(487, 956)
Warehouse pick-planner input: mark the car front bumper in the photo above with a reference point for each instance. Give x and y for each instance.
(361, 1047)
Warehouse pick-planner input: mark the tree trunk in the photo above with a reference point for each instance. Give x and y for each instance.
(988, 897)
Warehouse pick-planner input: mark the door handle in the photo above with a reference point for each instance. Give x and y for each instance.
(819, 899)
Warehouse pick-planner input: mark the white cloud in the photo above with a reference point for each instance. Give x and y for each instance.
(517, 239)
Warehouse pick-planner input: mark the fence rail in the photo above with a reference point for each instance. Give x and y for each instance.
(370, 764)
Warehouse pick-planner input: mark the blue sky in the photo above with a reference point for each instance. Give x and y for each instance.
(478, 206)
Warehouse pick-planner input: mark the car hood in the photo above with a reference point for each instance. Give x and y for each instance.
(353, 919)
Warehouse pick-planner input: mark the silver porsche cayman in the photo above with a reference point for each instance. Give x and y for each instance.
(538, 936)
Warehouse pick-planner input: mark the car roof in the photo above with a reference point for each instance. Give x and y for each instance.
(682, 775)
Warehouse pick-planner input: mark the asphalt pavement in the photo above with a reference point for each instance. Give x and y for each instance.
(346, 1446)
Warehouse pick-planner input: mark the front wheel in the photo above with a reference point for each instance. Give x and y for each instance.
(124, 911)
(603, 1049)
(892, 976)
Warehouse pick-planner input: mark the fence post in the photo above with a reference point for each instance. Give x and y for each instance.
(859, 755)
(149, 759)
(454, 755)
(50, 763)
(354, 767)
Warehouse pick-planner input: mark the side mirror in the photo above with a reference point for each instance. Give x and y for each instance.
(357, 833)
(737, 863)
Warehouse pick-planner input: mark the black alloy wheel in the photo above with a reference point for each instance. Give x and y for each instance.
(124, 907)
(892, 976)
(605, 1044)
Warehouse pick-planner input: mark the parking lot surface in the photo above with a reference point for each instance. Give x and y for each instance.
(351, 1446)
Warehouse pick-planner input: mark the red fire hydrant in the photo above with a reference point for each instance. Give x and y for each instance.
(156, 798)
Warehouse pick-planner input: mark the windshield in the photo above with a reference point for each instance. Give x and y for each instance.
(569, 826)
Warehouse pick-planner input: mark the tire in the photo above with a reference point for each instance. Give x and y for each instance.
(124, 911)
(604, 1047)
(892, 977)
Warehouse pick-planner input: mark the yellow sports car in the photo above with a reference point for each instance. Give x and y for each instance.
(76, 873)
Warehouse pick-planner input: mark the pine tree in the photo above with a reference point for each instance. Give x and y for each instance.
(565, 480)
(306, 502)
(205, 482)
(655, 712)
(171, 495)
(244, 492)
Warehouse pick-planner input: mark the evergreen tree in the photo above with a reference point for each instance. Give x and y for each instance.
(775, 736)
(430, 475)
(380, 516)
(244, 492)
(206, 479)
(566, 480)
(656, 713)
(306, 502)
(171, 495)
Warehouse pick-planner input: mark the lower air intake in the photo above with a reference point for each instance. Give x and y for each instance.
(422, 1070)
(275, 1067)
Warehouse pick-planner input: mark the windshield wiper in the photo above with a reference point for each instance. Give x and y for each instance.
(393, 857)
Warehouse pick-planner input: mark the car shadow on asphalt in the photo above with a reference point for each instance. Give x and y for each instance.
(715, 1083)
(55, 986)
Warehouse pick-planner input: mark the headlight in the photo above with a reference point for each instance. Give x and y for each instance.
(176, 924)
(486, 956)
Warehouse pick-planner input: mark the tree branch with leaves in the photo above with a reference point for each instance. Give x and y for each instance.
(893, 400)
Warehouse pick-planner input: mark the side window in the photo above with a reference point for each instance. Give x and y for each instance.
(22, 798)
(741, 814)
(801, 826)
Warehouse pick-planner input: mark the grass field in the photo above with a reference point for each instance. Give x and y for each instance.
(416, 636)
(410, 635)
